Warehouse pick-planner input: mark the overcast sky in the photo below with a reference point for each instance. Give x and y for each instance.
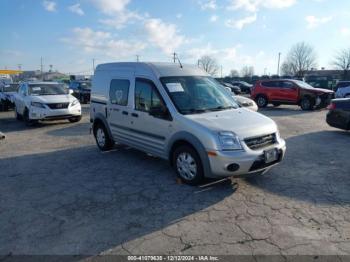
(69, 33)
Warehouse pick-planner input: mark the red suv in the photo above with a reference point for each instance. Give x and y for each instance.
(290, 92)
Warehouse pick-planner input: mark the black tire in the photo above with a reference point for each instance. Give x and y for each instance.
(276, 104)
(184, 173)
(17, 115)
(103, 141)
(261, 101)
(306, 104)
(27, 120)
(75, 119)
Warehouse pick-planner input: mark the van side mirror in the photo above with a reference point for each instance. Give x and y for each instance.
(70, 91)
(159, 111)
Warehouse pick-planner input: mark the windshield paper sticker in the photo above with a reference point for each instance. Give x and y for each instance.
(175, 87)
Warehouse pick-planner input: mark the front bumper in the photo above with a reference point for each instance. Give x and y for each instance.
(54, 114)
(249, 161)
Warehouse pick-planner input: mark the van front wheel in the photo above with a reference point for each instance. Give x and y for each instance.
(103, 140)
(188, 165)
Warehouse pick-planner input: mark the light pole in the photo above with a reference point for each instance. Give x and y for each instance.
(278, 66)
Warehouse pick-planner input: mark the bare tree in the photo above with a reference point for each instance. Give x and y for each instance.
(234, 73)
(287, 69)
(301, 58)
(209, 65)
(247, 71)
(342, 61)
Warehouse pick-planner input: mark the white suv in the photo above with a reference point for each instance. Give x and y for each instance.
(45, 101)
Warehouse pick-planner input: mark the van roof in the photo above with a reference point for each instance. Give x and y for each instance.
(159, 69)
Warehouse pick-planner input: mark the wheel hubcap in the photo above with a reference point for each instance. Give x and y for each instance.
(100, 137)
(186, 166)
(306, 103)
(261, 101)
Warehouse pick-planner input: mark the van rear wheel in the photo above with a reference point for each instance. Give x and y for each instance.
(188, 165)
(103, 141)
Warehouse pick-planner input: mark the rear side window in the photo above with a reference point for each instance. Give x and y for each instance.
(146, 95)
(286, 84)
(119, 91)
(270, 84)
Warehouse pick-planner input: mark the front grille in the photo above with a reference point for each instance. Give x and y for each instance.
(58, 105)
(255, 143)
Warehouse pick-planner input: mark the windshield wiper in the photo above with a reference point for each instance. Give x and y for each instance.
(194, 111)
(220, 108)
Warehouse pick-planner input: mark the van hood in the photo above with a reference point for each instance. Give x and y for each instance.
(243, 122)
(53, 99)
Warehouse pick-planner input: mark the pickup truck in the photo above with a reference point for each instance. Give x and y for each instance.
(290, 92)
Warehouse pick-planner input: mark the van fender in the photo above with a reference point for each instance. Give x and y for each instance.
(197, 145)
(99, 117)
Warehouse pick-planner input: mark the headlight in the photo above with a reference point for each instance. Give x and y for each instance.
(37, 104)
(229, 141)
(75, 102)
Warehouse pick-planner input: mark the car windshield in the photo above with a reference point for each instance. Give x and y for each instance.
(10, 88)
(303, 84)
(197, 94)
(46, 89)
(85, 85)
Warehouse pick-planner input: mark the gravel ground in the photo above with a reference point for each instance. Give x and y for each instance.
(60, 195)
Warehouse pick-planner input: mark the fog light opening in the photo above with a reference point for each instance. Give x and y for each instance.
(233, 167)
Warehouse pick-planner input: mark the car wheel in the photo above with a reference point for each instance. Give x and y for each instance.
(261, 101)
(75, 119)
(103, 141)
(188, 165)
(306, 104)
(27, 120)
(17, 115)
(276, 104)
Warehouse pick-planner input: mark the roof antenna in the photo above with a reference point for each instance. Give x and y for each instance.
(176, 57)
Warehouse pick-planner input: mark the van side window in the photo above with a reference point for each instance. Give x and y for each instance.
(146, 95)
(119, 91)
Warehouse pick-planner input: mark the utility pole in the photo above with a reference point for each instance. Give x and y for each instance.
(265, 69)
(279, 60)
(174, 57)
(93, 65)
(41, 68)
(137, 58)
(221, 71)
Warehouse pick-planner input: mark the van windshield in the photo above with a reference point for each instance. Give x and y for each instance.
(197, 94)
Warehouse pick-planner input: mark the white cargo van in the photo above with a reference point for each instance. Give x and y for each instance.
(181, 114)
